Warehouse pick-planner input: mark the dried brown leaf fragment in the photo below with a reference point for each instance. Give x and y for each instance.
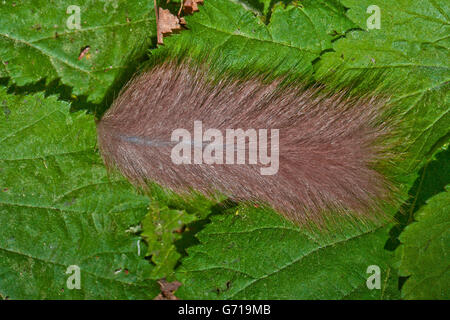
(167, 290)
(191, 6)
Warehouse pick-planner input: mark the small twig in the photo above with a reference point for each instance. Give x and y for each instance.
(159, 36)
(181, 8)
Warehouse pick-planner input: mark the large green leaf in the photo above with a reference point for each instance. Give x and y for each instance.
(256, 254)
(294, 37)
(36, 43)
(411, 49)
(424, 252)
(59, 207)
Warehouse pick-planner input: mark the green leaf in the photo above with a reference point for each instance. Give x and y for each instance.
(259, 7)
(411, 49)
(36, 42)
(59, 207)
(425, 249)
(433, 177)
(170, 226)
(194, 204)
(256, 254)
(161, 228)
(294, 37)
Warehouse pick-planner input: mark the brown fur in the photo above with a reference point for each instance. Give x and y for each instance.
(329, 144)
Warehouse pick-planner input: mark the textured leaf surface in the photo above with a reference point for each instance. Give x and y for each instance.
(170, 225)
(260, 7)
(293, 38)
(433, 178)
(411, 48)
(36, 42)
(424, 252)
(161, 228)
(255, 254)
(58, 207)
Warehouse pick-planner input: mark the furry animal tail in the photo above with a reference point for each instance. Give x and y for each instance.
(301, 151)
